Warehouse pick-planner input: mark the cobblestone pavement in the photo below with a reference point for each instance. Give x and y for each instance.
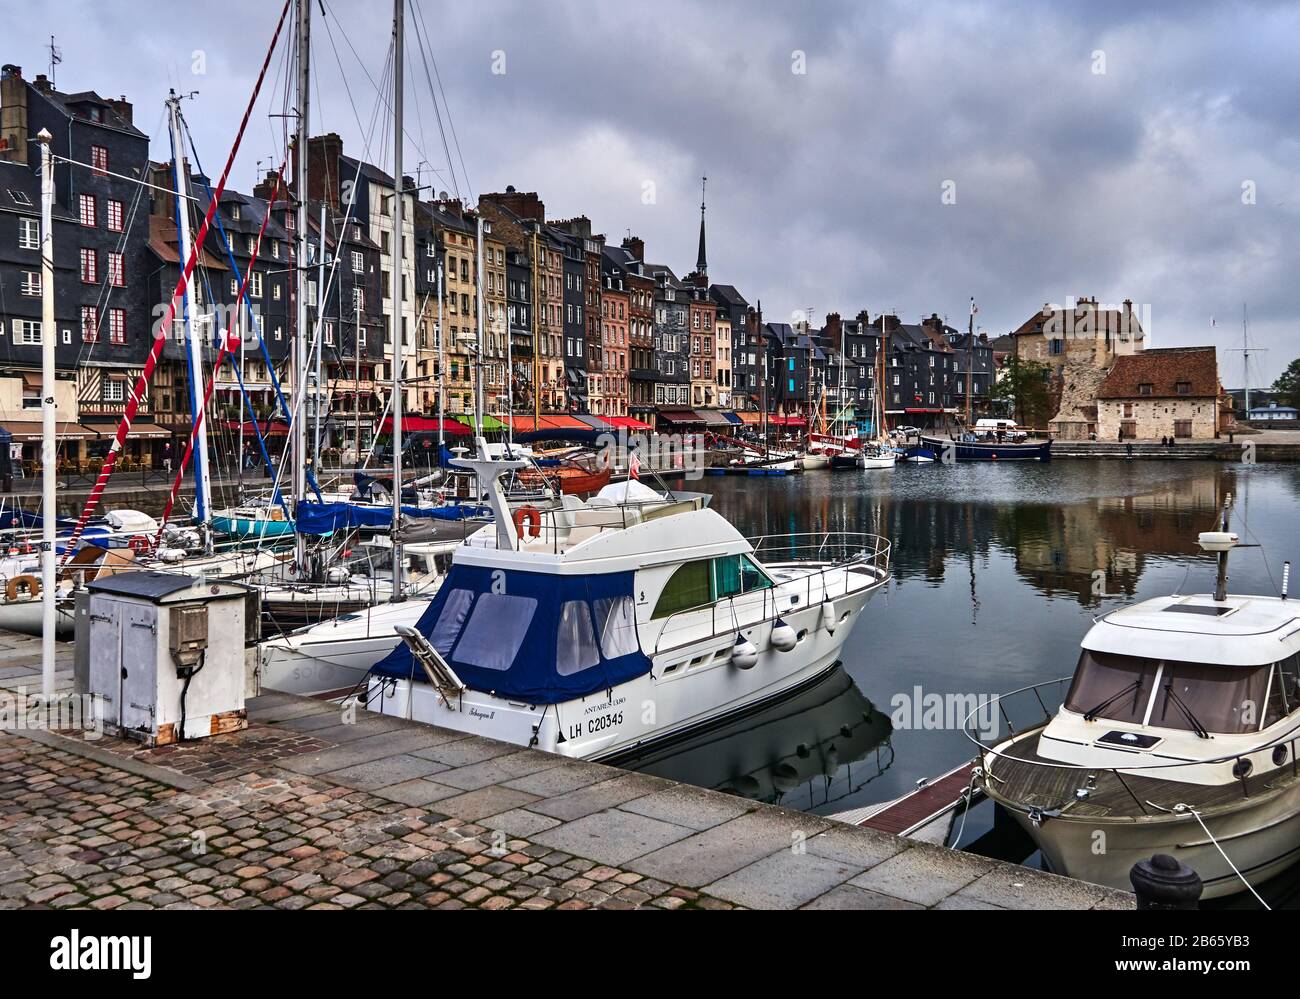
(77, 833)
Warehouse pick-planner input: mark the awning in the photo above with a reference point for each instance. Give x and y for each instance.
(777, 420)
(680, 416)
(628, 423)
(732, 417)
(415, 424)
(712, 418)
(22, 430)
(594, 422)
(273, 428)
(490, 423)
(750, 417)
(923, 409)
(147, 431)
(555, 421)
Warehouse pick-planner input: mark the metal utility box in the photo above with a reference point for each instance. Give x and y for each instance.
(166, 654)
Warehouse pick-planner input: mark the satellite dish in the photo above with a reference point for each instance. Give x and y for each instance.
(442, 195)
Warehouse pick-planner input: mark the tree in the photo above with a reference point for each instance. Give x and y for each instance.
(1025, 384)
(1288, 384)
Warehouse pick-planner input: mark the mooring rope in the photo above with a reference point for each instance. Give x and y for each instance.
(1197, 815)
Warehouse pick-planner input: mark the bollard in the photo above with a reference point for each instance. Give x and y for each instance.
(1164, 883)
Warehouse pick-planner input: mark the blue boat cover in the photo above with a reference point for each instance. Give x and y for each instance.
(326, 518)
(536, 637)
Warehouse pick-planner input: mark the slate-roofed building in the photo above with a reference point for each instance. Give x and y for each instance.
(1161, 392)
(101, 228)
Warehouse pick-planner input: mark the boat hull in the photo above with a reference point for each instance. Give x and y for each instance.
(247, 528)
(1261, 835)
(979, 451)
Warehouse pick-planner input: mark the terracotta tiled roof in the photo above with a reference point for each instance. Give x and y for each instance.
(163, 242)
(1163, 369)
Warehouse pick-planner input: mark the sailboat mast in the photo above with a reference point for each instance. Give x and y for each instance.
(49, 417)
(442, 362)
(299, 343)
(181, 184)
(399, 246)
(970, 357)
(320, 313)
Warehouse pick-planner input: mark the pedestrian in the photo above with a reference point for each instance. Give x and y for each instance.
(167, 457)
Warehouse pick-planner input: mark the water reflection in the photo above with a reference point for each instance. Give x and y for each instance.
(812, 749)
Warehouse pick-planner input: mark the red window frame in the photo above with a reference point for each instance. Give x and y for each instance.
(89, 324)
(89, 266)
(114, 212)
(99, 160)
(86, 210)
(117, 326)
(116, 270)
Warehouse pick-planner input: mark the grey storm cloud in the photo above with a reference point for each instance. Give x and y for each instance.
(825, 186)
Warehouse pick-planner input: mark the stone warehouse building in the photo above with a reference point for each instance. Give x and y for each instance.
(1159, 392)
(1079, 343)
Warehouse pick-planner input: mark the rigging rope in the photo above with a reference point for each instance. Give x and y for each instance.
(142, 382)
(1197, 815)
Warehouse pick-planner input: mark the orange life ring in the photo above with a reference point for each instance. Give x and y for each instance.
(31, 582)
(532, 516)
(138, 544)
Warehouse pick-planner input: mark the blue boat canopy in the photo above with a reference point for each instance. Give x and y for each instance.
(326, 518)
(530, 636)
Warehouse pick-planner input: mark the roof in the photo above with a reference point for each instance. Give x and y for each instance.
(1163, 369)
(1103, 316)
(1257, 630)
(163, 244)
(73, 104)
(144, 584)
(727, 295)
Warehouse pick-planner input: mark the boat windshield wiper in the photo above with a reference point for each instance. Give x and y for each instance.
(1092, 713)
(1192, 720)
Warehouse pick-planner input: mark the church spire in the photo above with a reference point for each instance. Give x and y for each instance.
(701, 261)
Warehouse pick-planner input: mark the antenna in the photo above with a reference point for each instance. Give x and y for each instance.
(56, 57)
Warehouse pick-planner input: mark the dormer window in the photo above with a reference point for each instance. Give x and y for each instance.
(1146, 388)
(1183, 388)
(234, 212)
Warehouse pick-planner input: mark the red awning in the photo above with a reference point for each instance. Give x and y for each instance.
(683, 416)
(923, 409)
(627, 423)
(557, 422)
(414, 424)
(274, 428)
(777, 420)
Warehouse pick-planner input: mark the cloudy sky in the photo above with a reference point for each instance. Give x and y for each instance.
(860, 155)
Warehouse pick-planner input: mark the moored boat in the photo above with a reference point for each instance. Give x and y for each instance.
(1177, 735)
(557, 635)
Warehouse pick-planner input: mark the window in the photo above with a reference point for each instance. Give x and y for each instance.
(1146, 388)
(114, 212)
(29, 234)
(27, 332)
(575, 639)
(116, 270)
(117, 326)
(86, 209)
(687, 587)
(31, 284)
(20, 198)
(255, 284)
(358, 262)
(450, 620)
(99, 160)
(495, 631)
(89, 324)
(1183, 388)
(114, 390)
(89, 265)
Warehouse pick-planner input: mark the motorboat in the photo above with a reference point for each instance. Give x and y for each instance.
(621, 621)
(987, 445)
(1177, 735)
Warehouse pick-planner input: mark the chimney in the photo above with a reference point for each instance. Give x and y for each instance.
(635, 245)
(524, 204)
(832, 328)
(864, 317)
(323, 154)
(265, 189)
(933, 322)
(13, 115)
(123, 108)
(43, 84)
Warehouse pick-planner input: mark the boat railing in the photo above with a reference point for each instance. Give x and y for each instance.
(812, 569)
(1040, 714)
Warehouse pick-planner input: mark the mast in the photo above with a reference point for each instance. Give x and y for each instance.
(970, 357)
(356, 377)
(399, 245)
(480, 414)
(49, 416)
(299, 342)
(320, 314)
(442, 359)
(194, 355)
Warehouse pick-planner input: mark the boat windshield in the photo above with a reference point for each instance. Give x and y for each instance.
(1179, 695)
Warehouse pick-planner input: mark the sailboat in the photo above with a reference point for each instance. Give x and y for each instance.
(879, 452)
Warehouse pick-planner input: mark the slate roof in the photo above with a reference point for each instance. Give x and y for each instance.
(1163, 368)
(73, 105)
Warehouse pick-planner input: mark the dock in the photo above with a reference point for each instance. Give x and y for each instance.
(316, 805)
(932, 800)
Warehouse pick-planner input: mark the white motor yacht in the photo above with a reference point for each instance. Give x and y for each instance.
(1178, 735)
(622, 621)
